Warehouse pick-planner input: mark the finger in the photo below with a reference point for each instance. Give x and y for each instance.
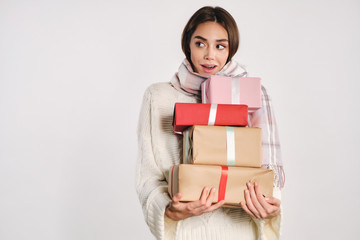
(204, 194)
(255, 201)
(268, 208)
(260, 197)
(273, 201)
(175, 204)
(209, 200)
(202, 201)
(274, 208)
(250, 205)
(211, 196)
(215, 206)
(176, 198)
(246, 209)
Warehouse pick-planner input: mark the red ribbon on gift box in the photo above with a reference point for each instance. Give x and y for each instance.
(223, 181)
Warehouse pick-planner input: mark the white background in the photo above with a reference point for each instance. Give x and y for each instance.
(72, 76)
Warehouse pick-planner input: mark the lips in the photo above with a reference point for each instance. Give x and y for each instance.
(208, 68)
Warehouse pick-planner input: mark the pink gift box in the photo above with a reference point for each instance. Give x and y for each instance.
(232, 90)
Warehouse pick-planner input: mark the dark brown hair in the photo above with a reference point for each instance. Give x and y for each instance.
(211, 14)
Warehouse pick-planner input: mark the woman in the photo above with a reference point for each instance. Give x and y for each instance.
(210, 40)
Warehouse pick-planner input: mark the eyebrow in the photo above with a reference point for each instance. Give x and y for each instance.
(218, 40)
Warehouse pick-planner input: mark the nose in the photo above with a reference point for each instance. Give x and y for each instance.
(209, 54)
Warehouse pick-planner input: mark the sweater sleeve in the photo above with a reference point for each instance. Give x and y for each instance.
(151, 185)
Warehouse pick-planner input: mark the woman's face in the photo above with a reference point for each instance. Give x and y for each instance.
(209, 48)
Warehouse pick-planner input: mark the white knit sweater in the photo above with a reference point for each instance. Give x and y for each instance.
(159, 149)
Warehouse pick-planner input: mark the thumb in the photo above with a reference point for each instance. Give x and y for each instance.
(176, 198)
(273, 201)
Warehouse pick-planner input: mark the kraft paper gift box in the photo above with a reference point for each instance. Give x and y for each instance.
(222, 145)
(189, 114)
(229, 182)
(228, 90)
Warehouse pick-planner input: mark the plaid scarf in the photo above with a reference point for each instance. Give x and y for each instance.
(188, 82)
(264, 118)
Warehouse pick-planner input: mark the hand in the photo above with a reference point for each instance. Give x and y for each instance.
(179, 211)
(259, 206)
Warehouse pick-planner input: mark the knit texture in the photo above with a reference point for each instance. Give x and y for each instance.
(158, 150)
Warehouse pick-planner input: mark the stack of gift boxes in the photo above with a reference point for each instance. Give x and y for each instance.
(219, 149)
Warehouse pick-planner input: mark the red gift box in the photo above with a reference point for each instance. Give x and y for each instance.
(189, 114)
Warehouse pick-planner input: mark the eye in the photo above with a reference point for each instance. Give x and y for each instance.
(220, 47)
(199, 44)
